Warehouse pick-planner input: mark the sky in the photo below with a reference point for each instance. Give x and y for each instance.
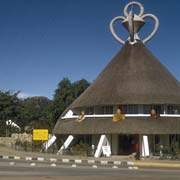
(43, 41)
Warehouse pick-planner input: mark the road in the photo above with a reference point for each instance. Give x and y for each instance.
(22, 171)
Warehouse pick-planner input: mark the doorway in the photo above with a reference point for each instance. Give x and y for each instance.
(128, 144)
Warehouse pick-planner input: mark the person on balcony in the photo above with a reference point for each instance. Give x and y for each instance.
(154, 114)
(81, 117)
(119, 115)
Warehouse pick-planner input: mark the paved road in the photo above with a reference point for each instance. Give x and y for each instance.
(21, 171)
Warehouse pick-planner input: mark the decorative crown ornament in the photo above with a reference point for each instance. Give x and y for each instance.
(133, 23)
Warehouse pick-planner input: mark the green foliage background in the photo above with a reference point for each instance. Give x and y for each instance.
(39, 111)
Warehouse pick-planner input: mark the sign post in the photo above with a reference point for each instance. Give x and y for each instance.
(40, 134)
(106, 150)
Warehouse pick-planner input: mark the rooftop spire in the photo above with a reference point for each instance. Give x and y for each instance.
(133, 23)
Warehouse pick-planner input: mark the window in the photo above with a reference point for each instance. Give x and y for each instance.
(103, 110)
(146, 109)
(89, 111)
(170, 109)
(158, 108)
(107, 109)
(132, 109)
(124, 108)
(98, 110)
(173, 109)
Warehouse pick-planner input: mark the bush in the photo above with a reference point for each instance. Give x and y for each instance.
(81, 149)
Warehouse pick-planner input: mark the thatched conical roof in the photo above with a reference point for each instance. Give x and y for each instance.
(134, 76)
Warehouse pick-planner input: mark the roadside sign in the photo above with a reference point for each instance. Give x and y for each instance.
(40, 134)
(106, 150)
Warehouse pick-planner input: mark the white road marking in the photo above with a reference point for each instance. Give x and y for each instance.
(53, 165)
(94, 166)
(33, 164)
(12, 163)
(74, 165)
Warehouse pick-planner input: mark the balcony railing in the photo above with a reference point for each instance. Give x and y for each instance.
(126, 115)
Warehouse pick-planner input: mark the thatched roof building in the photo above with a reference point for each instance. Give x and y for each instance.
(134, 78)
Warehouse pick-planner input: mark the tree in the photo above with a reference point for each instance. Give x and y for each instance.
(39, 111)
(79, 87)
(9, 109)
(34, 109)
(65, 94)
(62, 98)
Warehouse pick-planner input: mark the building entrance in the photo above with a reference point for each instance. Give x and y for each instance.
(128, 144)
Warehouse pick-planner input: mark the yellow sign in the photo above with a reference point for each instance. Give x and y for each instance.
(40, 134)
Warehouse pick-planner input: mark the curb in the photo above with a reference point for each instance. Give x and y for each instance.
(74, 162)
(94, 163)
(156, 164)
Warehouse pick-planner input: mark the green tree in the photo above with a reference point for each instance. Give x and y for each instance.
(9, 109)
(34, 109)
(63, 97)
(65, 94)
(39, 112)
(79, 87)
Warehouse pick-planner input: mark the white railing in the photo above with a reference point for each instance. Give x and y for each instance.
(127, 115)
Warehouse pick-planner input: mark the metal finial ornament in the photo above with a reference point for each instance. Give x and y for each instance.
(133, 23)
